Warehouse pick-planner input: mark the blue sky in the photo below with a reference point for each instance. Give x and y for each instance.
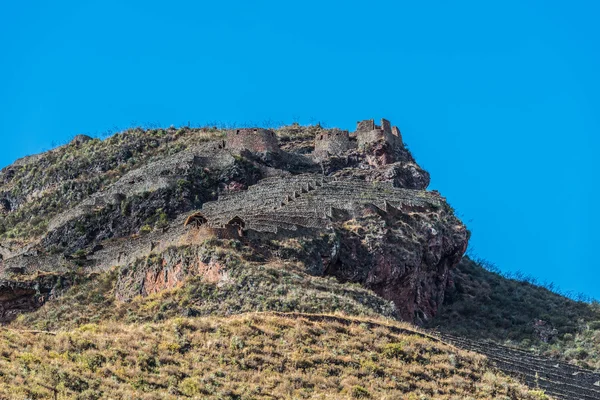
(498, 100)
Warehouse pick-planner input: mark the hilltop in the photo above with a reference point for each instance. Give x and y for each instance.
(260, 263)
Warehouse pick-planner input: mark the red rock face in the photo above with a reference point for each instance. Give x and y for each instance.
(405, 259)
(172, 276)
(165, 278)
(380, 155)
(168, 270)
(212, 271)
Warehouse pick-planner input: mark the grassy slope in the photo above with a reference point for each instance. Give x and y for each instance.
(251, 356)
(485, 305)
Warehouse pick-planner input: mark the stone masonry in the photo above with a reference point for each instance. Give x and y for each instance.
(367, 132)
(332, 143)
(254, 139)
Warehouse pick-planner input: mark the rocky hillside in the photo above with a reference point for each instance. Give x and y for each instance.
(351, 206)
(173, 263)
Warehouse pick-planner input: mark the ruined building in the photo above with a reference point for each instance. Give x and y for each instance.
(332, 143)
(252, 139)
(336, 142)
(367, 132)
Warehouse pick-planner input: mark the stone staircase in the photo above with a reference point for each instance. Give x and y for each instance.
(307, 201)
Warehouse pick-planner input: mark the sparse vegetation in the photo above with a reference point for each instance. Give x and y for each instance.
(221, 318)
(485, 305)
(57, 180)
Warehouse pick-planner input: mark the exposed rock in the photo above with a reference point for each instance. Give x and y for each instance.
(400, 243)
(81, 139)
(407, 175)
(24, 296)
(544, 330)
(167, 270)
(5, 206)
(403, 256)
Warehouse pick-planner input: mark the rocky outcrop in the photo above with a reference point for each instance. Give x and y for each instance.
(355, 204)
(401, 243)
(18, 296)
(168, 270)
(404, 257)
(81, 139)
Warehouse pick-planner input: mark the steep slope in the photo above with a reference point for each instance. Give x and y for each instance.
(215, 277)
(481, 304)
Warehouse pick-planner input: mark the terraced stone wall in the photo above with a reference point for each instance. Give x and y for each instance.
(557, 379)
(307, 201)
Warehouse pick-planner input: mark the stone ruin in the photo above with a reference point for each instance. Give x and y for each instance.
(253, 139)
(336, 142)
(367, 132)
(332, 143)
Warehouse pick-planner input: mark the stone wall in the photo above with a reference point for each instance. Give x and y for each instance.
(306, 201)
(254, 140)
(367, 132)
(365, 126)
(334, 142)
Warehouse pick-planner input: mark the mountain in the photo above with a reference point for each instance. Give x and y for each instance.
(259, 263)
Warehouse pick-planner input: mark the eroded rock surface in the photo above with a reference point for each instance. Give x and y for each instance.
(19, 296)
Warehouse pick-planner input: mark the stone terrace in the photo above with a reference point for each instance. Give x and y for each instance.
(307, 201)
(557, 379)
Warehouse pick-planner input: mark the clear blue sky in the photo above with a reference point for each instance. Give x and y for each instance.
(498, 100)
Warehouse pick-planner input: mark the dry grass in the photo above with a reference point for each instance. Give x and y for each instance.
(250, 356)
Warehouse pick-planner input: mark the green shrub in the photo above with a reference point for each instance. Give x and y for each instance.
(359, 392)
(190, 387)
